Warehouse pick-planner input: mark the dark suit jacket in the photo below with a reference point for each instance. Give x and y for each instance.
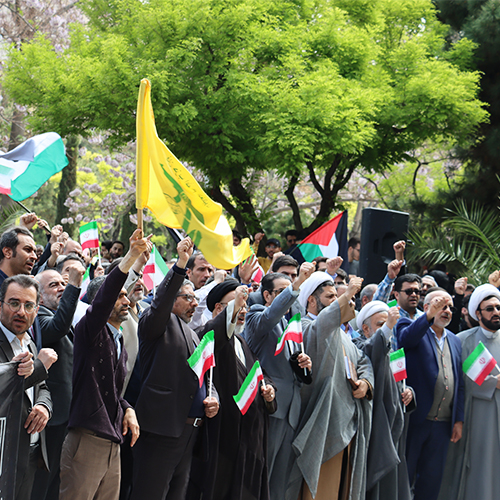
(168, 383)
(55, 327)
(41, 396)
(417, 339)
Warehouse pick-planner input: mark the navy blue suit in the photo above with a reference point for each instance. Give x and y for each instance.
(427, 442)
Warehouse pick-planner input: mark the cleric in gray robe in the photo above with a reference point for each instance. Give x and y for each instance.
(332, 439)
(387, 472)
(471, 471)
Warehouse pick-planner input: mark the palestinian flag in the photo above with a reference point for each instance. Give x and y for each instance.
(479, 364)
(26, 168)
(398, 364)
(203, 358)
(293, 332)
(155, 269)
(329, 240)
(249, 388)
(85, 283)
(89, 235)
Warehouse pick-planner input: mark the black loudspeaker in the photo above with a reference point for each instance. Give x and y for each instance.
(380, 229)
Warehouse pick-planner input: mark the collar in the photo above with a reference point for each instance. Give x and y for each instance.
(488, 334)
(311, 315)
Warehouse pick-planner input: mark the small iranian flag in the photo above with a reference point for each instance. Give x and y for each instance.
(89, 235)
(249, 388)
(479, 364)
(293, 332)
(398, 364)
(329, 240)
(85, 283)
(155, 269)
(202, 358)
(26, 168)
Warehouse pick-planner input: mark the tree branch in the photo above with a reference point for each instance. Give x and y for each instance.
(293, 202)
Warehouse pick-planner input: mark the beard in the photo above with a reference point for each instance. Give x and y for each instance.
(491, 324)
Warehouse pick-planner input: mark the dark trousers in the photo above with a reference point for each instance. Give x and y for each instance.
(127, 467)
(426, 449)
(46, 485)
(25, 473)
(162, 465)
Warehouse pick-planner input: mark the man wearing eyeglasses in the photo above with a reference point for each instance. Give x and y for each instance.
(172, 407)
(434, 368)
(474, 459)
(19, 297)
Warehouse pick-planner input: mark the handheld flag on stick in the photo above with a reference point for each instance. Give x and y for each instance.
(249, 388)
(479, 364)
(155, 269)
(203, 356)
(398, 364)
(293, 332)
(85, 283)
(89, 235)
(26, 168)
(169, 190)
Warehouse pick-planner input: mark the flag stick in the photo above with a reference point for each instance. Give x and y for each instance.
(139, 219)
(99, 255)
(302, 349)
(210, 380)
(24, 207)
(404, 389)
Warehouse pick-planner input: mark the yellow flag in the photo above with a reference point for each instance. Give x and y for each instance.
(168, 189)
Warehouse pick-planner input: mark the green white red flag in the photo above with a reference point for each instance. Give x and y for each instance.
(155, 270)
(249, 388)
(203, 358)
(26, 168)
(398, 364)
(85, 283)
(479, 364)
(293, 332)
(89, 235)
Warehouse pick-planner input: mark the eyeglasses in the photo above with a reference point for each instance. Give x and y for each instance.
(452, 309)
(189, 297)
(15, 305)
(490, 309)
(411, 291)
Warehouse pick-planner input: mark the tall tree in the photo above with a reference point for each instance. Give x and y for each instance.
(312, 88)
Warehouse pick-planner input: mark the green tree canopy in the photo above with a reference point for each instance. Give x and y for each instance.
(315, 88)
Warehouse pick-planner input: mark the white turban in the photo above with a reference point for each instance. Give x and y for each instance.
(478, 295)
(310, 284)
(373, 307)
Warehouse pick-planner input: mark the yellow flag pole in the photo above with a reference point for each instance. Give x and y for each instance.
(139, 220)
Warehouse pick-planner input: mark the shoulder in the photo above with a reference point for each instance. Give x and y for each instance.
(43, 311)
(256, 308)
(463, 336)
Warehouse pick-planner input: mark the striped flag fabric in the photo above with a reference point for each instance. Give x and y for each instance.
(479, 364)
(329, 240)
(398, 364)
(293, 332)
(89, 235)
(258, 274)
(155, 270)
(26, 168)
(249, 388)
(203, 357)
(85, 283)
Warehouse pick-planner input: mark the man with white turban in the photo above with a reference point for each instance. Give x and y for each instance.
(332, 438)
(472, 462)
(386, 472)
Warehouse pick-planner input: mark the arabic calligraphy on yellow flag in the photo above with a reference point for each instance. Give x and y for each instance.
(169, 190)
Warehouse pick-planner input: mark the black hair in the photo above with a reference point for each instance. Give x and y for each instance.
(406, 278)
(284, 260)
(70, 256)
(10, 239)
(24, 281)
(267, 283)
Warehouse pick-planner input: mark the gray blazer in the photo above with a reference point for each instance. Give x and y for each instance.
(264, 326)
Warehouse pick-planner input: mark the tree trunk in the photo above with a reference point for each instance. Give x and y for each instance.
(297, 221)
(16, 130)
(244, 206)
(220, 197)
(68, 182)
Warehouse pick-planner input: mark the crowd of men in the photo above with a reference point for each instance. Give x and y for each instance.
(113, 410)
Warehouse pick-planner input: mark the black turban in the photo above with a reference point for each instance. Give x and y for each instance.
(219, 291)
